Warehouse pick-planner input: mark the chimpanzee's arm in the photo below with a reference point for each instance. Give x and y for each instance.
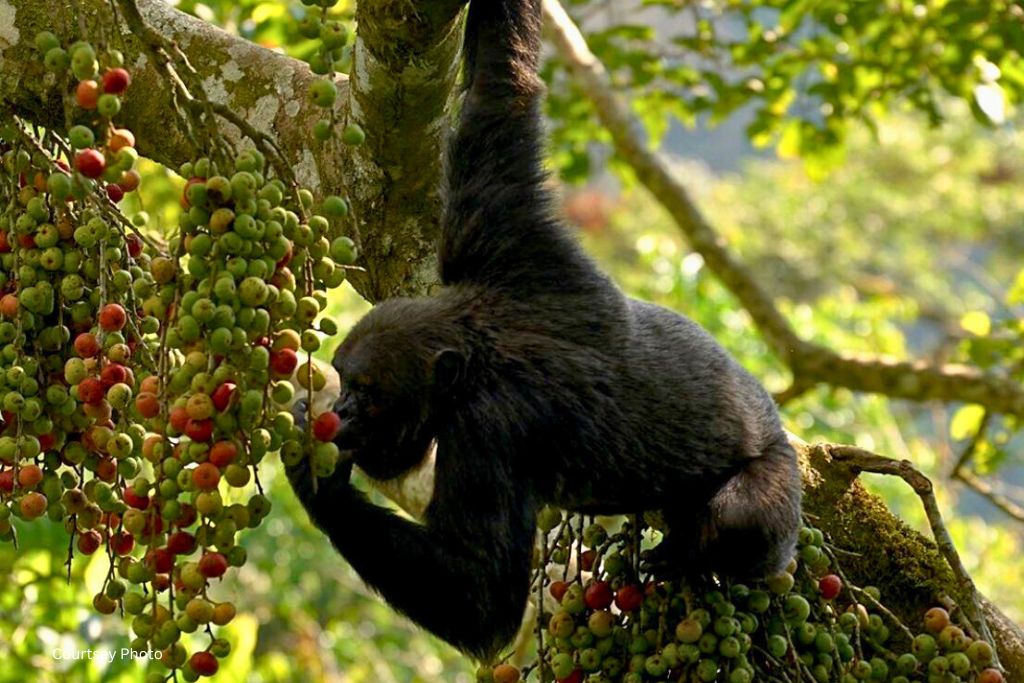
(499, 229)
(464, 573)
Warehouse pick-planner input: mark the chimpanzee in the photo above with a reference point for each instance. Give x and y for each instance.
(541, 382)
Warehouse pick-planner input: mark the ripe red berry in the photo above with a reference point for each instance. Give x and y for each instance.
(558, 589)
(206, 476)
(991, 676)
(115, 193)
(89, 542)
(830, 585)
(187, 517)
(283, 362)
(181, 543)
(119, 139)
(86, 345)
(6, 481)
(9, 306)
(47, 441)
(133, 241)
(598, 595)
(33, 505)
(134, 500)
(221, 396)
(575, 677)
(506, 673)
(148, 405)
(87, 93)
(129, 181)
(116, 81)
(29, 476)
(629, 598)
(326, 426)
(213, 565)
(106, 469)
(223, 453)
(112, 317)
(90, 163)
(203, 663)
(178, 417)
(936, 619)
(199, 430)
(160, 560)
(90, 391)
(113, 373)
(587, 559)
(122, 543)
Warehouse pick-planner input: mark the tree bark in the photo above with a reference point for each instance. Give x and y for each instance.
(881, 550)
(401, 92)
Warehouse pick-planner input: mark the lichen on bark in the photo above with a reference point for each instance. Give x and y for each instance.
(404, 103)
(877, 548)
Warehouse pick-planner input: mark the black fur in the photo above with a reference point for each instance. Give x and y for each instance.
(542, 383)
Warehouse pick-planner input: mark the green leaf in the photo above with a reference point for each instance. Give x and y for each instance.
(791, 140)
(965, 422)
(1016, 294)
(977, 323)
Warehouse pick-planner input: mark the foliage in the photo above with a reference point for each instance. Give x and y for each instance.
(803, 70)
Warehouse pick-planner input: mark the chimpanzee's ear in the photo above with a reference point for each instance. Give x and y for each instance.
(449, 368)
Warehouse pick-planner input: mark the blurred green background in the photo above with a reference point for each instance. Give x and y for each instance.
(910, 244)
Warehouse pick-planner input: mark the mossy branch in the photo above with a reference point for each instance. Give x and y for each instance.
(914, 572)
(405, 68)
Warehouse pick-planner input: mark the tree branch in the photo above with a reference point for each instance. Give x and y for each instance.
(989, 492)
(404, 71)
(810, 363)
(863, 461)
(913, 571)
(403, 84)
(964, 473)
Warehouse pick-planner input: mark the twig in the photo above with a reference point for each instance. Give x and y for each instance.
(858, 592)
(989, 493)
(972, 445)
(865, 461)
(965, 475)
(796, 389)
(861, 593)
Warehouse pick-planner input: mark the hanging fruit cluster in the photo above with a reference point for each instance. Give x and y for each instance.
(68, 276)
(333, 54)
(257, 269)
(142, 383)
(805, 624)
(102, 152)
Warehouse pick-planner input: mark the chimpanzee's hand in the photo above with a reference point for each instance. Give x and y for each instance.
(300, 411)
(327, 489)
